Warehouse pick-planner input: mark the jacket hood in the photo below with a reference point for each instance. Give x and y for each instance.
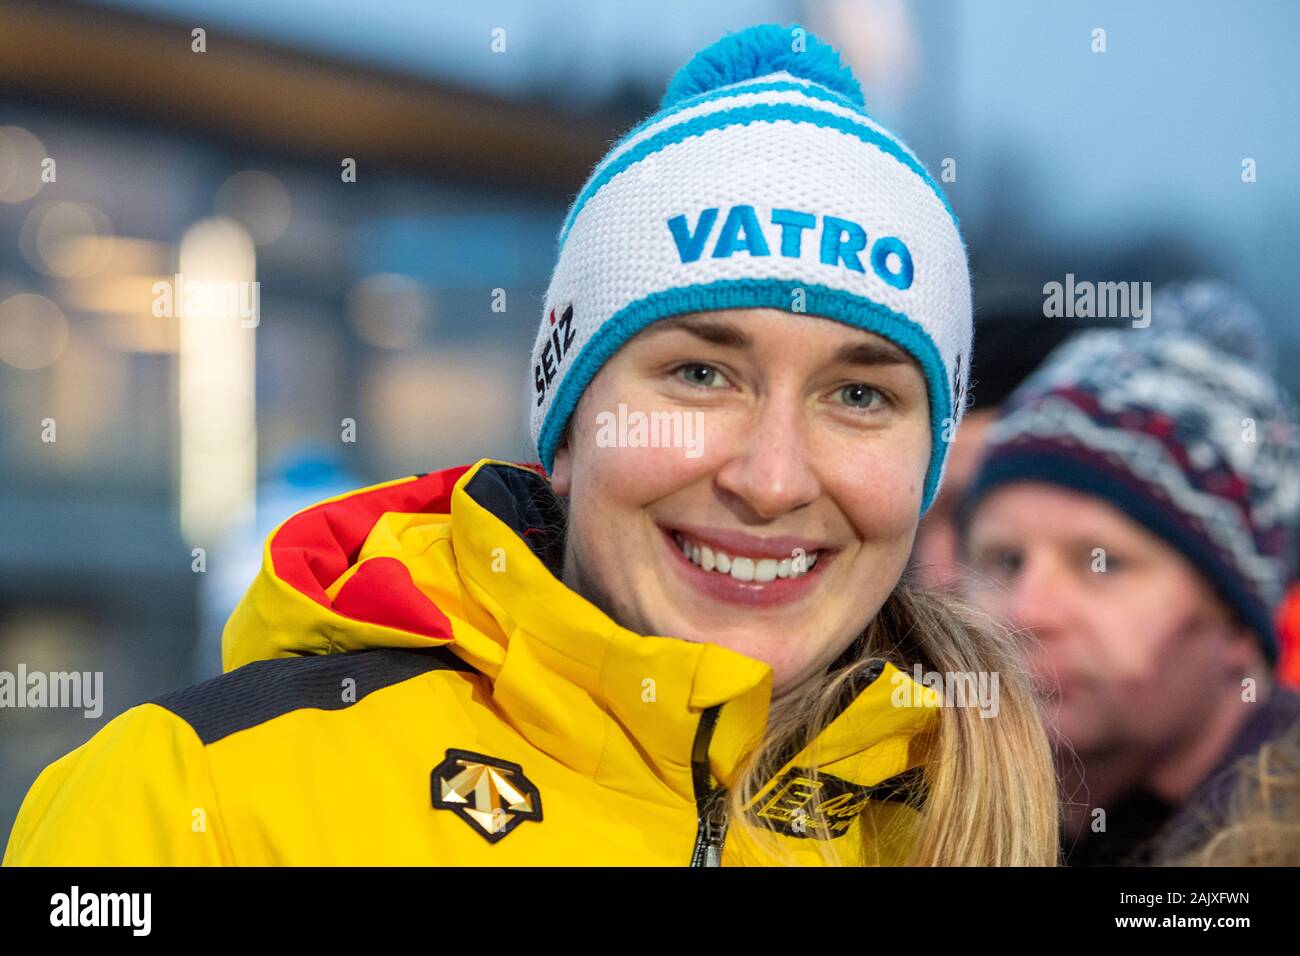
(469, 557)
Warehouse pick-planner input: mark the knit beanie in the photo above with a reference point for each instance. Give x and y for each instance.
(761, 182)
(1180, 427)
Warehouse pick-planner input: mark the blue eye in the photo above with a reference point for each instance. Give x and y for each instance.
(697, 373)
(858, 395)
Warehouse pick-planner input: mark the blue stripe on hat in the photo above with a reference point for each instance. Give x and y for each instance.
(743, 115)
(806, 87)
(854, 310)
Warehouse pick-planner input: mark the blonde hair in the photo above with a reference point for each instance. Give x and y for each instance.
(1262, 824)
(988, 793)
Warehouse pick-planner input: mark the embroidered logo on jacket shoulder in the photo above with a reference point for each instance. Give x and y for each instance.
(492, 795)
(824, 808)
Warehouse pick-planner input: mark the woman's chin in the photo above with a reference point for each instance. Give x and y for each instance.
(757, 645)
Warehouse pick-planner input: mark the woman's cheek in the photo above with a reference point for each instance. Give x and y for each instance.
(878, 491)
(692, 444)
(635, 477)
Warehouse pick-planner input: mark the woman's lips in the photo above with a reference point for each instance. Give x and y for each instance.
(740, 542)
(725, 588)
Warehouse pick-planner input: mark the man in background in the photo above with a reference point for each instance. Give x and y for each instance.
(1133, 517)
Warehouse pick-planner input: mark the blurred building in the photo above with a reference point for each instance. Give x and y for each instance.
(395, 316)
(140, 452)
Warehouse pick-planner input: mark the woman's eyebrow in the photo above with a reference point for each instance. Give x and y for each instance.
(717, 333)
(728, 335)
(871, 353)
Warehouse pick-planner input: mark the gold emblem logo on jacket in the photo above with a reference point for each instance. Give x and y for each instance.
(492, 795)
(824, 807)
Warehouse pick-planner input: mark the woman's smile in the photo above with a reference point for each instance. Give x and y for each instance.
(737, 568)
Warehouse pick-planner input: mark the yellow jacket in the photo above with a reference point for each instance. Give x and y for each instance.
(408, 682)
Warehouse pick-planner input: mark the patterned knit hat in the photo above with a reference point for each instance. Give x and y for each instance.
(761, 182)
(1191, 441)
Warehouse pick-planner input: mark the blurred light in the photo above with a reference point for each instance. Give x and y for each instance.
(21, 154)
(218, 436)
(878, 40)
(125, 295)
(33, 331)
(66, 239)
(389, 310)
(122, 255)
(258, 201)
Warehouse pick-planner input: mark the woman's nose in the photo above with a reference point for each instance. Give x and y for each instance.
(770, 469)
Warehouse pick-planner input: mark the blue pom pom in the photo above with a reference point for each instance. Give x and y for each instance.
(758, 51)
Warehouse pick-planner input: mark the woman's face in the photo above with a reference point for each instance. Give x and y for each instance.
(793, 473)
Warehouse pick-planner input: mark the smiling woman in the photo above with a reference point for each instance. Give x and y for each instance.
(826, 388)
(805, 451)
(784, 540)
(635, 653)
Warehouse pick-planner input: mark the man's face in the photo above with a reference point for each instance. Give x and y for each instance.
(813, 443)
(1131, 655)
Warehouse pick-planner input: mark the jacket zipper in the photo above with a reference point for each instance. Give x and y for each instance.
(710, 801)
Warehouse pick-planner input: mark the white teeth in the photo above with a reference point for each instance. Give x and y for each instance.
(743, 568)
